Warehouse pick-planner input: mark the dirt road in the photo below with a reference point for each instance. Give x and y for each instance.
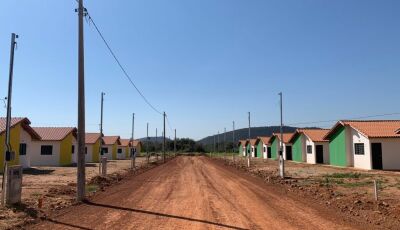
(195, 193)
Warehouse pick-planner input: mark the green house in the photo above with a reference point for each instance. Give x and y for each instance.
(263, 147)
(242, 147)
(309, 146)
(275, 142)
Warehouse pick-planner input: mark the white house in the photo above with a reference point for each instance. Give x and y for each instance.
(253, 147)
(21, 136)
(55, 147)
(373, 144)
(264, 147)
(309, 146)
(275, 142)
(92, 147)
(242, 147)
(135, 147)
(123, 149)
(110, 147)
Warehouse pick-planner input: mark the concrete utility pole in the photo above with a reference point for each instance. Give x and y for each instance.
(214, 145)
(164, 139)
(218, 142)
(281, 160)
(101, 131)
(81, 106)
(8, 121)
(248, 154)
(225, 142)
(175, 143)
(133, 139)
(147, 144)
(156, 144)
(233, 140)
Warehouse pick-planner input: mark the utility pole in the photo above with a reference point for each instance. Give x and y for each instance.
(175, 143)
(101, 131)
(8, 121)
(248, 154)
(133, 140)
(164, 139)
(218, 142)
(281, 160)
(233, 140)
(214, 145)
(147, 144)
(81, 106)
(225, 142)
(156, 140)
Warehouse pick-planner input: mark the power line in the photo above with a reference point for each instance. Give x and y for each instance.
(120, 65)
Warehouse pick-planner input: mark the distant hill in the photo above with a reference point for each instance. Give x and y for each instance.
(241, 134)
(154, 139)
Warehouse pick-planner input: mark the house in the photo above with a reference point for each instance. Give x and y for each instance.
(248, 148)
(136, 147)
(123, 151)
(92, 147)
(110, 147)
(275, 142)
(242, 147)
(253, 147)
(55, 147)
(21, 136)
(263, 147)
(309, 146)
(373, 144)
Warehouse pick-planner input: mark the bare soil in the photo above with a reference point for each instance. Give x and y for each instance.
(197, 193)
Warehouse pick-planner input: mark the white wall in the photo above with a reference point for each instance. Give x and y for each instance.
(45, 160)
(265, 151)
(244, 151)
(121, 155)
(89, 155)
(311, 158)
(25, 138)
(109, 154)
(390, 152)
(361, 161)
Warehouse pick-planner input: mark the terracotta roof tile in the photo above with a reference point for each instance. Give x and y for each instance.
(265, 140)
(125, 142)
(110, 140)
(286, 136)
(54, 133)
(91, 138)
(253, 141)
(370, 128)
(16, 120)
(135, 143)
(242, 142)
(316, 135)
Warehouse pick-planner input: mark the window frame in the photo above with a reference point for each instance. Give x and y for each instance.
(357, 148)
(43, 147)
(309, 149)
(22, 148)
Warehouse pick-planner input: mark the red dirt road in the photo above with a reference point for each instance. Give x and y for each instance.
(194, 193)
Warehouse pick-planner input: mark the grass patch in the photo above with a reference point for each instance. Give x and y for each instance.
(91, 188)
(346, 175)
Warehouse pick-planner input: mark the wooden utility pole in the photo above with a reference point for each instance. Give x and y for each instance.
(101, 132)
(132, 141)
(281, 159)
(164, 139)
(8, 122)
(81, 106)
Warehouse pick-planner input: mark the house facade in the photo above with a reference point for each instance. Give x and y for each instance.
(110, 147)
(263, 147)
(373, 144)
(275, 142)
(136, 147)
(253, 147)
(92, 147)
(242, 147)
(309, 146)
(21, 137)
(123, 149)
(55, 147)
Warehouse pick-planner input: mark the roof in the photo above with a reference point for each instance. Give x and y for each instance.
(125, 142)
(54, 133)
(286, 137)
(92, 138)
(242, 142)
(110, 140)
(369, 128)
(25, 122)
(265, 140)
(135, 143)
(316, 135)
(253, 141)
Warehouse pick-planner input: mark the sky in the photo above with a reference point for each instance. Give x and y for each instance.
(205, 63)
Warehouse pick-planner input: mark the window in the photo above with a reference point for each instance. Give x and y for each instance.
(73, 149)
(46, 150)
(359, 148)
(309, 149)
(22, 149)
(104, 150)
(119, 151)
(85, 150)
(265, 150)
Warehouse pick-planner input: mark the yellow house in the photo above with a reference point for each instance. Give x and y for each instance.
(21, 135)
(123, 149)
(55, 148)
(136, 146)
(110, 146)
(92, 147)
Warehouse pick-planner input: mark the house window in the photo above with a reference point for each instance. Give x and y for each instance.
(85, 150)
(359, 149)
(46, 150)
(119, 151)
(265, 150)
(22, 149)
(73, 149)
(309, 149)
(104, 150)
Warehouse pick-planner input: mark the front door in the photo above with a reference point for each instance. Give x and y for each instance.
(376, 156)
(319, 154)
(269, 155)
(289, 153)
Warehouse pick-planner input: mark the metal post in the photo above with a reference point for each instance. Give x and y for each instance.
(81, 108)
(132, 140)
(248, 154)
(8, 120)
(281, 160)
(164, 139)
(101, 133)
